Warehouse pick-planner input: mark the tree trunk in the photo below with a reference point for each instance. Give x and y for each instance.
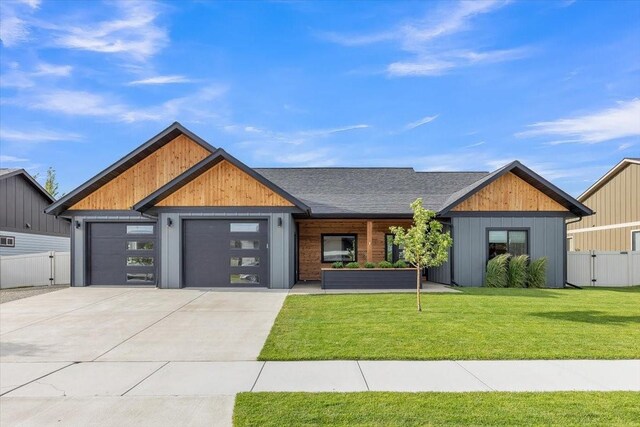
(418, 287)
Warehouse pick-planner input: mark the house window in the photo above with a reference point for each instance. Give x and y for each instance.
(392, 253)
(244, 227)
(339, 247)
(7, 241)
(513, 242)
(635, 240)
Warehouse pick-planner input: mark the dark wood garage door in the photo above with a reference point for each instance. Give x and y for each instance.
(220, 253)
(122, 253)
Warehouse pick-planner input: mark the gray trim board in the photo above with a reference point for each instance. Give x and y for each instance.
(159, 140)
(93, 213)
(510, 214)
(229, 209)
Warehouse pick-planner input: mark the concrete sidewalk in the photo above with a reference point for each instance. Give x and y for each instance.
(91, 379)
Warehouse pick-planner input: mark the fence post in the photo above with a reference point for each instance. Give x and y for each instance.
(52, 268)
(593, 268)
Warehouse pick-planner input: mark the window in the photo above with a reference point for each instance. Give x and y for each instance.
(139, 277)
(513, 242)
(139, 229)
(139, 261)
(635, 240)
(237, 261)
(250, 279)
(339, 247)
(8, 241)
(570, 243)
(139, 246)
(245, 244)
(392, 253)
(244, 227)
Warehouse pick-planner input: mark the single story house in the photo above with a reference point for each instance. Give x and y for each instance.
(177, 212)
(615, 224)
(24, 227)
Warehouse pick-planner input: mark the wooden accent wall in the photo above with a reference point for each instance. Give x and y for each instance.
(146, 176)
(616, 202)
(225, 185)
(309, 239)
(509, 193)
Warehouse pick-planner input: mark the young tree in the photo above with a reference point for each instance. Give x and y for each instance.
(51, 184)
(425, 244)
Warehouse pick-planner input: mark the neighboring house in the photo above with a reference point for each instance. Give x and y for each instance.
(615, 224)
(24, 227)
(177, 212)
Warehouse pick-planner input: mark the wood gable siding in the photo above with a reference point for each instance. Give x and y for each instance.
(146, 176)
(224, 185)
(310, 238)
(509, 193)
(616, 202)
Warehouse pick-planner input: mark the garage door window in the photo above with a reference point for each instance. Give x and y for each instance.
(139, 246)
(237, 261)
(245, 244)
(135, 261)
(244, 227)
(139, 277)
(249, 279)
(139, 229)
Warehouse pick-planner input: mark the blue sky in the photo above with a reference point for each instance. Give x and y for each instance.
(432, 85)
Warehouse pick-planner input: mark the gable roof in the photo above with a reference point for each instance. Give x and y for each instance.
(198, 169)
(608, 176)
(7, 173)
(526, 174)
(368, 191)
(153, 144)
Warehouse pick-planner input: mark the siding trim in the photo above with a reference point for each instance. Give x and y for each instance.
(604, 227)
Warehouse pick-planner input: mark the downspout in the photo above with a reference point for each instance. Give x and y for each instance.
(451, 270)
(564, 255)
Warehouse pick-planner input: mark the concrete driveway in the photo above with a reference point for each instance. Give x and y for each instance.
(74, 354)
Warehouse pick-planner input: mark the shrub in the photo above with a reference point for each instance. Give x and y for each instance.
(337, 264)
(385, 264)
(517, 271)
(353, 265)
(496, 276)
(400, 264)
(369, 265)
(537, 273)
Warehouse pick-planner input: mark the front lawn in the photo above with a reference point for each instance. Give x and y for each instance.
(442, 409)
(479, 323)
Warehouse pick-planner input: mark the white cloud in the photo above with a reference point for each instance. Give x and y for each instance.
(44, 69)
(625, 146)
(422, 121)
(477, 144)
(18, 78)
(33, 4)
(161, 80)
(11, 159)
(419, 39)
(618, 122)
(133, 32)
(37, 136)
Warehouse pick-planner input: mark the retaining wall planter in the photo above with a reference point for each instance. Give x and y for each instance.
(368, 278)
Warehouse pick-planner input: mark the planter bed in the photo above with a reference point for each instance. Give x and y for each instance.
(368, 278)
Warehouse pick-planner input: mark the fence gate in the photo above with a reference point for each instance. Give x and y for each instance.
(596, 268)
(41, 269)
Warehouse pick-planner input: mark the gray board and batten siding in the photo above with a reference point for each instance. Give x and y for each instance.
(21, 204)
(546, 237)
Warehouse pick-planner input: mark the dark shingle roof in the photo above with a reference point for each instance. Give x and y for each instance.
(355, 191)
(7, 171)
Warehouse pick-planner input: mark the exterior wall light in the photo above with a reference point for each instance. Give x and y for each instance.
(169, 222)
(78, 224)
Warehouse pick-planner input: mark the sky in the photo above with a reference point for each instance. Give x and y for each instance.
(429, 85)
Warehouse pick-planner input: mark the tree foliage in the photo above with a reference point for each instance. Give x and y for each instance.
(425, 243)
(51, 184)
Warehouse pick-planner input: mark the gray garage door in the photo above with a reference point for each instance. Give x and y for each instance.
(122, 253)
(225, 253)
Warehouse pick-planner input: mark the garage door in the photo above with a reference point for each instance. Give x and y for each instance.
(225, 253)
(122, 253)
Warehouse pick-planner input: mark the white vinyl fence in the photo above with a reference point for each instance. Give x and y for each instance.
(595, 268)
(46, 268)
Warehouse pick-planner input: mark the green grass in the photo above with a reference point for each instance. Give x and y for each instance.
(479, 323)
(442, 409)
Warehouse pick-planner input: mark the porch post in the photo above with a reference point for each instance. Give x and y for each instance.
(369, 241)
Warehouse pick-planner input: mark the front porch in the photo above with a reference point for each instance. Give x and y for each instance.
(369, 243)
(315, 287)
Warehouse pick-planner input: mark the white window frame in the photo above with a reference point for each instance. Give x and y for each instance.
(11, 239)
(631, 242)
